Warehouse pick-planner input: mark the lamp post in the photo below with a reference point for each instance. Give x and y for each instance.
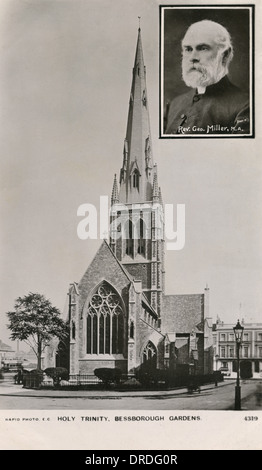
(238, 330)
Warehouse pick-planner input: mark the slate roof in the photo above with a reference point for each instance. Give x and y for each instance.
(182, 313)
(180, 342)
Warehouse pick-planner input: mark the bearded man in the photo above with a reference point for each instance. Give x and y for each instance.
(213, 105)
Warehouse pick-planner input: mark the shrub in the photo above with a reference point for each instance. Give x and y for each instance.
(33, 378)
(108, 375)
(152, 377)
(57, 374)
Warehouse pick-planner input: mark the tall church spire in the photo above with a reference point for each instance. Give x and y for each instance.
(114, 196)
(136, 177)
(136, 229)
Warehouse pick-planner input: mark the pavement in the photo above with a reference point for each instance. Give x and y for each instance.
(11, 389)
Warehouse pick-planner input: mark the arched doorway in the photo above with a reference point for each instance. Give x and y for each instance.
(149, 357)
(245, 369)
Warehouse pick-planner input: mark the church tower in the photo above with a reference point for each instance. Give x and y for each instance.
(136, 224)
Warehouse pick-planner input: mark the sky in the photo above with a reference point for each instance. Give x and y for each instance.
(65, 79)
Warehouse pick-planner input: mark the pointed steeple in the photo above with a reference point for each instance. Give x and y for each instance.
(115, 196)
(136, 176)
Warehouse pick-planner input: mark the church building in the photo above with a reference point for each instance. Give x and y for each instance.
(119, 314)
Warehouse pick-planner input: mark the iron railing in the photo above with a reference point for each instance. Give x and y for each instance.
(81, 379)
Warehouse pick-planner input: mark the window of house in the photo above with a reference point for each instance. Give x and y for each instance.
(245, 337)
(259, 352)
(245, 351)
(231, 337)
(222, 337)
(223, 352)
(259, 336)
(105, 322)
(256, 366)
(231, 352)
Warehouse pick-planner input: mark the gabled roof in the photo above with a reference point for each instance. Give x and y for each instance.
(171, 337)
(134, 166)
(5, 347)
(105, 246)
(180, 342)
(73, 288)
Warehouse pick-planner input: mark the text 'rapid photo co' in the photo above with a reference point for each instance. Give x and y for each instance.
(207, 71)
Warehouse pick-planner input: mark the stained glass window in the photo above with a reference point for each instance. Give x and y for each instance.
(105, 322)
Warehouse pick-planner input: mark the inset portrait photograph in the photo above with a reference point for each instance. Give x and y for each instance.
(206, 71)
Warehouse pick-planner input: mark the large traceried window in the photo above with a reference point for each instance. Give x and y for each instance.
(105, 322)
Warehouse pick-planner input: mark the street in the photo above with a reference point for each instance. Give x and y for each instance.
(15, 397)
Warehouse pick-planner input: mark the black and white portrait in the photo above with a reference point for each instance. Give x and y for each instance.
(206, 72)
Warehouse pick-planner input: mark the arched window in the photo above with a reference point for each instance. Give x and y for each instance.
(141, 246)
(150, 356)
(129, 238)
(136, 179)
(105, 322)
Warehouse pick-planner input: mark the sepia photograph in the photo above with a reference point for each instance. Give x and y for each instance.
(207, 71)
(131, 262)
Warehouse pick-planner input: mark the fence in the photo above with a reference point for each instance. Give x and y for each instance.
(81, 379)
(160, 381)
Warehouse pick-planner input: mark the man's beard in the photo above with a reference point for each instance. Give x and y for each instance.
(195, 75)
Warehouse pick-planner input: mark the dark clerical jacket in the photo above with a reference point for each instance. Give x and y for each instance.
(222, 109)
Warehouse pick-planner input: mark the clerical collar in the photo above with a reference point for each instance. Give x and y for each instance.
(201, 90)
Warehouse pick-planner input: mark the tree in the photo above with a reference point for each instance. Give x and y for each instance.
(35, 321)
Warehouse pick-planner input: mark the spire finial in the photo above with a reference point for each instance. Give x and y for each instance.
(139, 18)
